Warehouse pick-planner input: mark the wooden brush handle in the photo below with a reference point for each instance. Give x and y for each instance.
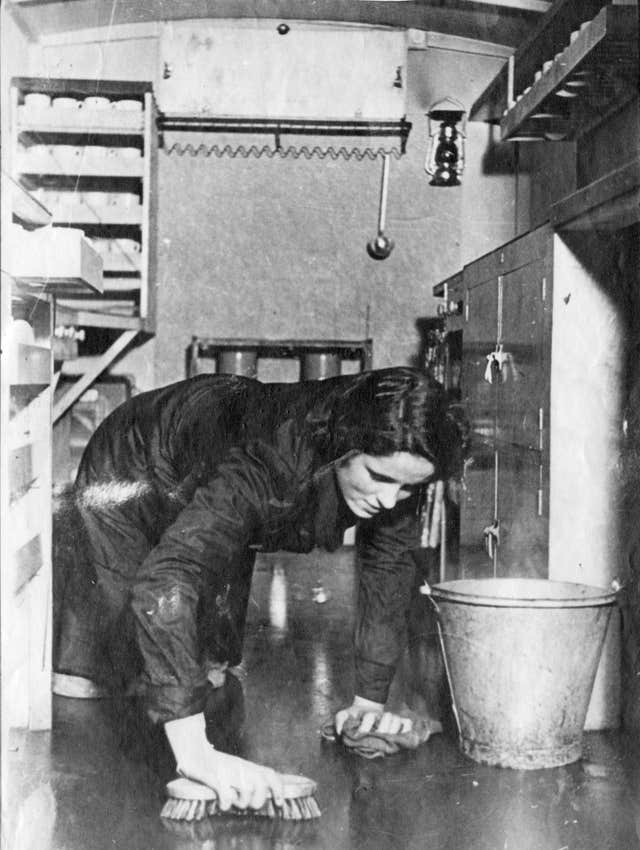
(187, 789)
(297, 786)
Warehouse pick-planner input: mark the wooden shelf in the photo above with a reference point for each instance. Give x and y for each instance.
(24, 206)
(113, 89)
(90, 122)
(83, 165)
(441, 289)
(282, 346)
(72, 314)
(58, 260)
(594, 76)
(610, 203)
(551, 35)
(82, 213)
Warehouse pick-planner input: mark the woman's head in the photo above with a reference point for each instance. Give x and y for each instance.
(374, 483)
(395, 410)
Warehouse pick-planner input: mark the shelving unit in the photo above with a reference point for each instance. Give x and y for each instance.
(579, 65)
(594, 76)
(91, 161)
(78, 208)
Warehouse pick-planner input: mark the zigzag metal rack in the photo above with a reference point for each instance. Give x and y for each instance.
(286, 127)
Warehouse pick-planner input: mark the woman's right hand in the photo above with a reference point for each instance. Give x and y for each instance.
(237, 782)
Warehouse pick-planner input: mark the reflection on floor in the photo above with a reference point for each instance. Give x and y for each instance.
(81, 787)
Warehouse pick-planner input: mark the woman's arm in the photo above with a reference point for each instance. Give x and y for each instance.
(211, 533)
(386, 570)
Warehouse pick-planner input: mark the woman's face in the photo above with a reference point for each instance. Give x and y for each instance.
(371, 483)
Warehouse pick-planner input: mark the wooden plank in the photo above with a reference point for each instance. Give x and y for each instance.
(149, 215)
(93, 319)
(81, 88)
(83, 383)
(79, 122)
(611, 202)
(81, 164)
(24, 206)
(352, 346)
(83, 213)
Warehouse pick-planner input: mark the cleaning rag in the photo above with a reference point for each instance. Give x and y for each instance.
(375, 744)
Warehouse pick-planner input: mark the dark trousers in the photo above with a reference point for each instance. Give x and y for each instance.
(97, 555)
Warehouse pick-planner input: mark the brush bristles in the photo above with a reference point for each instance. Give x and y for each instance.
(299, 808)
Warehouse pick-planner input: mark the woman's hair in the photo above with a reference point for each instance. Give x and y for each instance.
(397, 410)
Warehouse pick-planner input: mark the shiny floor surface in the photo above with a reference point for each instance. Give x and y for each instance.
(81, 787)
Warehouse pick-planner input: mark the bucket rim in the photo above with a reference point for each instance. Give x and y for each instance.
(451, 591)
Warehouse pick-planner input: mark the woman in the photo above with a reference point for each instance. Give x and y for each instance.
(180, 487)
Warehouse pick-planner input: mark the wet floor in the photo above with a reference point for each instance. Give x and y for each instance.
(87, 785)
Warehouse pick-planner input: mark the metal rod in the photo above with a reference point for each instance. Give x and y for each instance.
(384, 190)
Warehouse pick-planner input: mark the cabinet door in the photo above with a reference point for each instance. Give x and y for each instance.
(523, 393)
(506, 478)
(480, 400)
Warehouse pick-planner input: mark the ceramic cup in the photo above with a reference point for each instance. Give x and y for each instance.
(65, 156)
(65, 103)
(96, 103)
(37, 151)
(124, 200)
(35, 100)
(95, 199)
(128, 105)
(130, 153)
(126, 246)
(97, 153)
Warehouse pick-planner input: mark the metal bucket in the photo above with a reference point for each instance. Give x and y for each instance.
(521, 657)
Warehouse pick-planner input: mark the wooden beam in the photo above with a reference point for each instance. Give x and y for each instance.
(83, 383)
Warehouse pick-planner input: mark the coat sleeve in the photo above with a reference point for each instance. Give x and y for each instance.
(208, 537)
(386, 571)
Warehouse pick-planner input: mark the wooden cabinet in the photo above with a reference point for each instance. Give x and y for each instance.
(505, 324)
(543, 358)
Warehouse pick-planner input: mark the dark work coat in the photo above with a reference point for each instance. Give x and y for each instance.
(177, 490)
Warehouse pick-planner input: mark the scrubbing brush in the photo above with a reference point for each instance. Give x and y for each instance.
(192, 801)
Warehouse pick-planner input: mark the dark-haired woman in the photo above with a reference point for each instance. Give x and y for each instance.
(178, 489)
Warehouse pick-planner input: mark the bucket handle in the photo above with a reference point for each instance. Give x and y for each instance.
(425, 590)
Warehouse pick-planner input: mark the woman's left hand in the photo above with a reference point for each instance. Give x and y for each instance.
(372, 716)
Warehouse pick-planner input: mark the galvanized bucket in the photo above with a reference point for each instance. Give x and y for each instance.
(521, 657)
